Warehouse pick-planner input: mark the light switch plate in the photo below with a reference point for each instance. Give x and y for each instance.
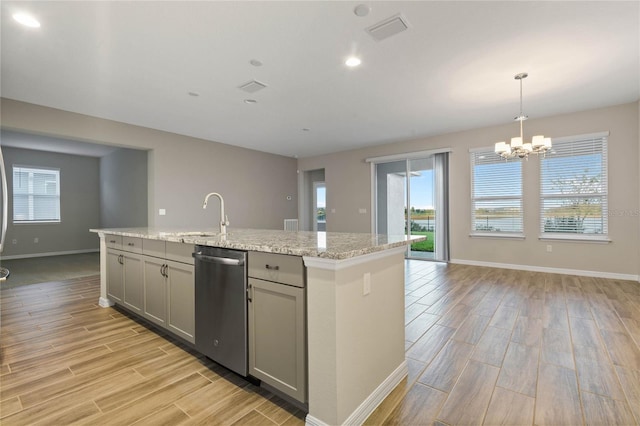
(162, 212)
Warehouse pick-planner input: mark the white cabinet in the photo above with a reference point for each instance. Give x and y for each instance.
(277, 323)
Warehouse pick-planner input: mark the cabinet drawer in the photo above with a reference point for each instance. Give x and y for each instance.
(132, 244)
(279, 268)
(113, 241)
(155, 248)
(180, 252)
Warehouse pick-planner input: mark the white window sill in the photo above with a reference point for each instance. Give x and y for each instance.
(497, 235)
(36, 222)
(598, 239)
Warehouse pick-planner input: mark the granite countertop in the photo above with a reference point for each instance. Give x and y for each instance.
(328, 245)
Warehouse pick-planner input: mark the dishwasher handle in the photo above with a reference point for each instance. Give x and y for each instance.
(218, 260)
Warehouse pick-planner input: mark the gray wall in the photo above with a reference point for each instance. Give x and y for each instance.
(79, 205)
(181, 169)
(348, 179)
(123, 189)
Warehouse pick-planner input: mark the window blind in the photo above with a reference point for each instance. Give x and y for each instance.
(36, 194)
(496, 194)
(573, 186)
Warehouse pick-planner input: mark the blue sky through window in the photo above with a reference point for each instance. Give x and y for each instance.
(422, 190)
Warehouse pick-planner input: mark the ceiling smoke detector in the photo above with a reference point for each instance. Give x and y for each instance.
(252, 86)
(388, 28)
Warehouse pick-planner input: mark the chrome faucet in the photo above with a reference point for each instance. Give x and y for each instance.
(224, 220)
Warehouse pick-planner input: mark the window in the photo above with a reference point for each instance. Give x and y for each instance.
(36, 195)
(496, 195)
(573, 185)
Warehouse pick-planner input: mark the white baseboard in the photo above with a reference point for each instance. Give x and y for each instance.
(579, 272)
(103, 302)
(367, 407)
(53, 253)
(309, 420)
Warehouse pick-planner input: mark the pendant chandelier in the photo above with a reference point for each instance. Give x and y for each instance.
(518, 148)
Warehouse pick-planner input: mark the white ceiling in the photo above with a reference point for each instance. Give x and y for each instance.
(453, 69)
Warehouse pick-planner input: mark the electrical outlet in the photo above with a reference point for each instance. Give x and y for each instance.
(14, 241)
(549, 248)
(36, 240)
(366, 283)
(162, 212)
(362, 211)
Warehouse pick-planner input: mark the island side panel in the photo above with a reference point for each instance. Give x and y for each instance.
(356, 341)
(103, 301)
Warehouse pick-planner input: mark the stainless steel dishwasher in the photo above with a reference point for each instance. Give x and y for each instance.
(221, 306)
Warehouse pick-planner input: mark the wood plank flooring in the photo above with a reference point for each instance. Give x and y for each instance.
(502, 347)
(484, 346)
(65, 360)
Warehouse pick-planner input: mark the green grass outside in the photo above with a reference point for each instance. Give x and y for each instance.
(426, 245)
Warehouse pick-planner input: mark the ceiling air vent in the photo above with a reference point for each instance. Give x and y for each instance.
(252, 86)
(389, 27)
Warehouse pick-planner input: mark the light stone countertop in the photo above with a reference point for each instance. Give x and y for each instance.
(328, 245)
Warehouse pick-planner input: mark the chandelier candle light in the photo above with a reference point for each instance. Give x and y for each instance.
(518, 148)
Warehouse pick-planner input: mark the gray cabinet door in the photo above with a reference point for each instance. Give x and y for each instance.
(115, 285)
(277, 340)
(133, 282)
(155, 290)
(181, 300)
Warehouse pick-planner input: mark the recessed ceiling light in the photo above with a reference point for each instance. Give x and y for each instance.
(353, 62)
(250, 101)
(362, 10)
(26, 20)
(255, 63)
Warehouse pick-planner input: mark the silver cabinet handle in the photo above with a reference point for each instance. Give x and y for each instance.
(273, 268)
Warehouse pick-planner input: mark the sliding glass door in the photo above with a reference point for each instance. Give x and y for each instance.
(411, 200)
(421, 215)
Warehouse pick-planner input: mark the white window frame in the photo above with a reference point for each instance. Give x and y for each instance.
(489, 152)
(31, 195)
(579, 142)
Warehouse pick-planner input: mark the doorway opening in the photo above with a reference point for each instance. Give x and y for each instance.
(319, 207)
(313, 201)
(411, 198)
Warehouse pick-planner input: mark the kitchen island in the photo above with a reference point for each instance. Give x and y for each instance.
(354, 309)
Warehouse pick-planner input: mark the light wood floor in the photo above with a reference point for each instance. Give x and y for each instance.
(65, 360)
(501, 347)
(483, 345)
